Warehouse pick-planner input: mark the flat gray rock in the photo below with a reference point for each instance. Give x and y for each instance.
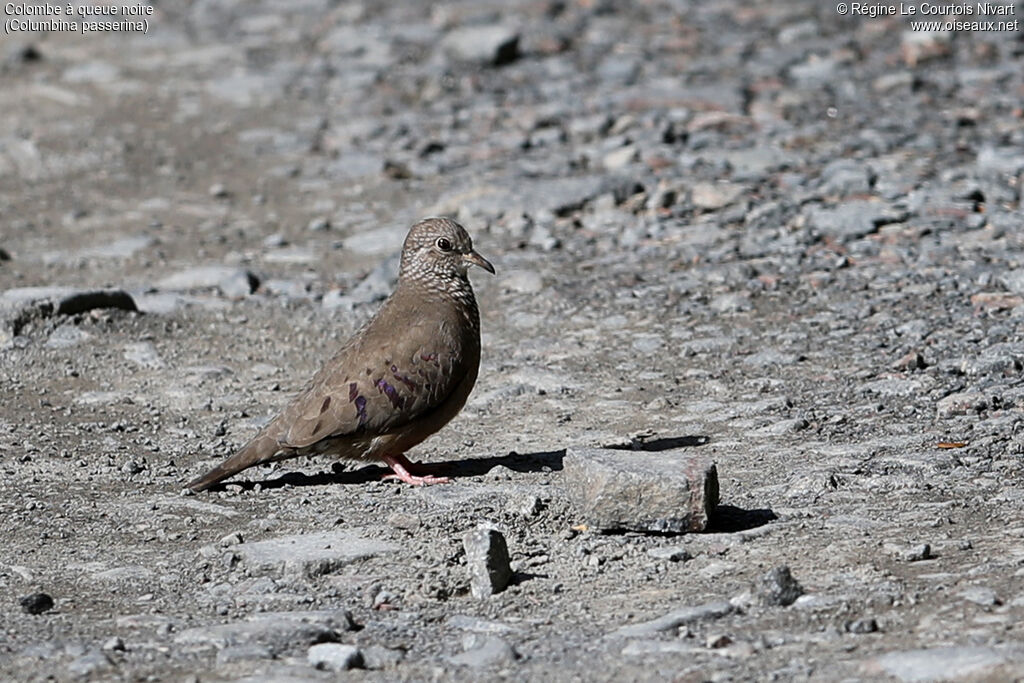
(276, 631)
(941, 664)
(670, 491)
(672, 620)
(309, 554)
(335, 656)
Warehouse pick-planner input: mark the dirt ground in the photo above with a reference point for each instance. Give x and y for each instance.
(767, 234)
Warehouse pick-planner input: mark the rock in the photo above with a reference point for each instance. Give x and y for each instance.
(319, 224)
(493, 45)
(66, 336)
(996, 301)
(673, 620)
(672, 553)
(144, 354)
(1001, 161)
(961, 403)
(379, 657)
(777, 588)
(714, 196)
(487, 561)
(914, 553)
(36, 603)
(484, 651)
(861, 626)
(620, 158)
(276, 631)
(922, 46)
(308, 555)
(941, 664)
(852, 219)
(335, 657)
(239, 284)
(665, 492)
(981, 595)
(226, 278)
(88, 664)
(523, 281)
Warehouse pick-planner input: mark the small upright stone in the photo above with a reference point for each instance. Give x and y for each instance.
(487, 560)
(778, 588)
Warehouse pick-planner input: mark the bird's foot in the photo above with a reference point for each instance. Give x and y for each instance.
(401, 466)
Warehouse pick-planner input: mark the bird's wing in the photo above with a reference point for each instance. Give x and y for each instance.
(374, 387)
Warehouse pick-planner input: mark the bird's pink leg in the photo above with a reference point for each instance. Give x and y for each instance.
(401, 466)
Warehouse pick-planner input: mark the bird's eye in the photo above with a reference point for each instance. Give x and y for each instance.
(443, 244)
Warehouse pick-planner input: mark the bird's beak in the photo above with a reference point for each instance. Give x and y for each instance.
(475, 259)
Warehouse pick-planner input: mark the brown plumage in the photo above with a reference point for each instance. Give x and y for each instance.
(405, 374)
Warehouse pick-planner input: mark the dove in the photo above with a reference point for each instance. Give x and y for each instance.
(399, 379)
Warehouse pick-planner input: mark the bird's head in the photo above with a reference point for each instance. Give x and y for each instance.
(441, 249)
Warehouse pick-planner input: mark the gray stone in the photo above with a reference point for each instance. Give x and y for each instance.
(1001, 160)
(309, 554)
(242, 653)
(276, 631)
(961, 403)
(487, 561)
(671, 553)
(620, 158)
(379, 657)
(482, 651)
(1013, 281)
(852, 219)
(66, 336)
(88, 664)
(673, 620)
(144, 354)
(335, 657)
(940, 664)
(227, 278)
(912, 553)
(239, 284)
(777, 588)
(714, 196)
(491, 45)
(981, 595)
(666, 492)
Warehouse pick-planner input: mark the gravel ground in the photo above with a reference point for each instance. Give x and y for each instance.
(763, 235)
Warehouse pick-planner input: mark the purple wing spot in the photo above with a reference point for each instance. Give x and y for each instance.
(353, 391)
(429, 357)
(394, 368)
(404, 380)
(396, 399)
(361, 410)
(368, 372)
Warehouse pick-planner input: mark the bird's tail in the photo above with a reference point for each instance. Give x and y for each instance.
(263, 448)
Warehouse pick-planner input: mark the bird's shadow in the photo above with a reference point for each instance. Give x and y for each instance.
(541, 461)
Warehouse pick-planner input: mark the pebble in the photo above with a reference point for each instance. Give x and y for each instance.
(483, 651)
(36, 603)
(335, 657)
(493, 45)
(487, 561)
